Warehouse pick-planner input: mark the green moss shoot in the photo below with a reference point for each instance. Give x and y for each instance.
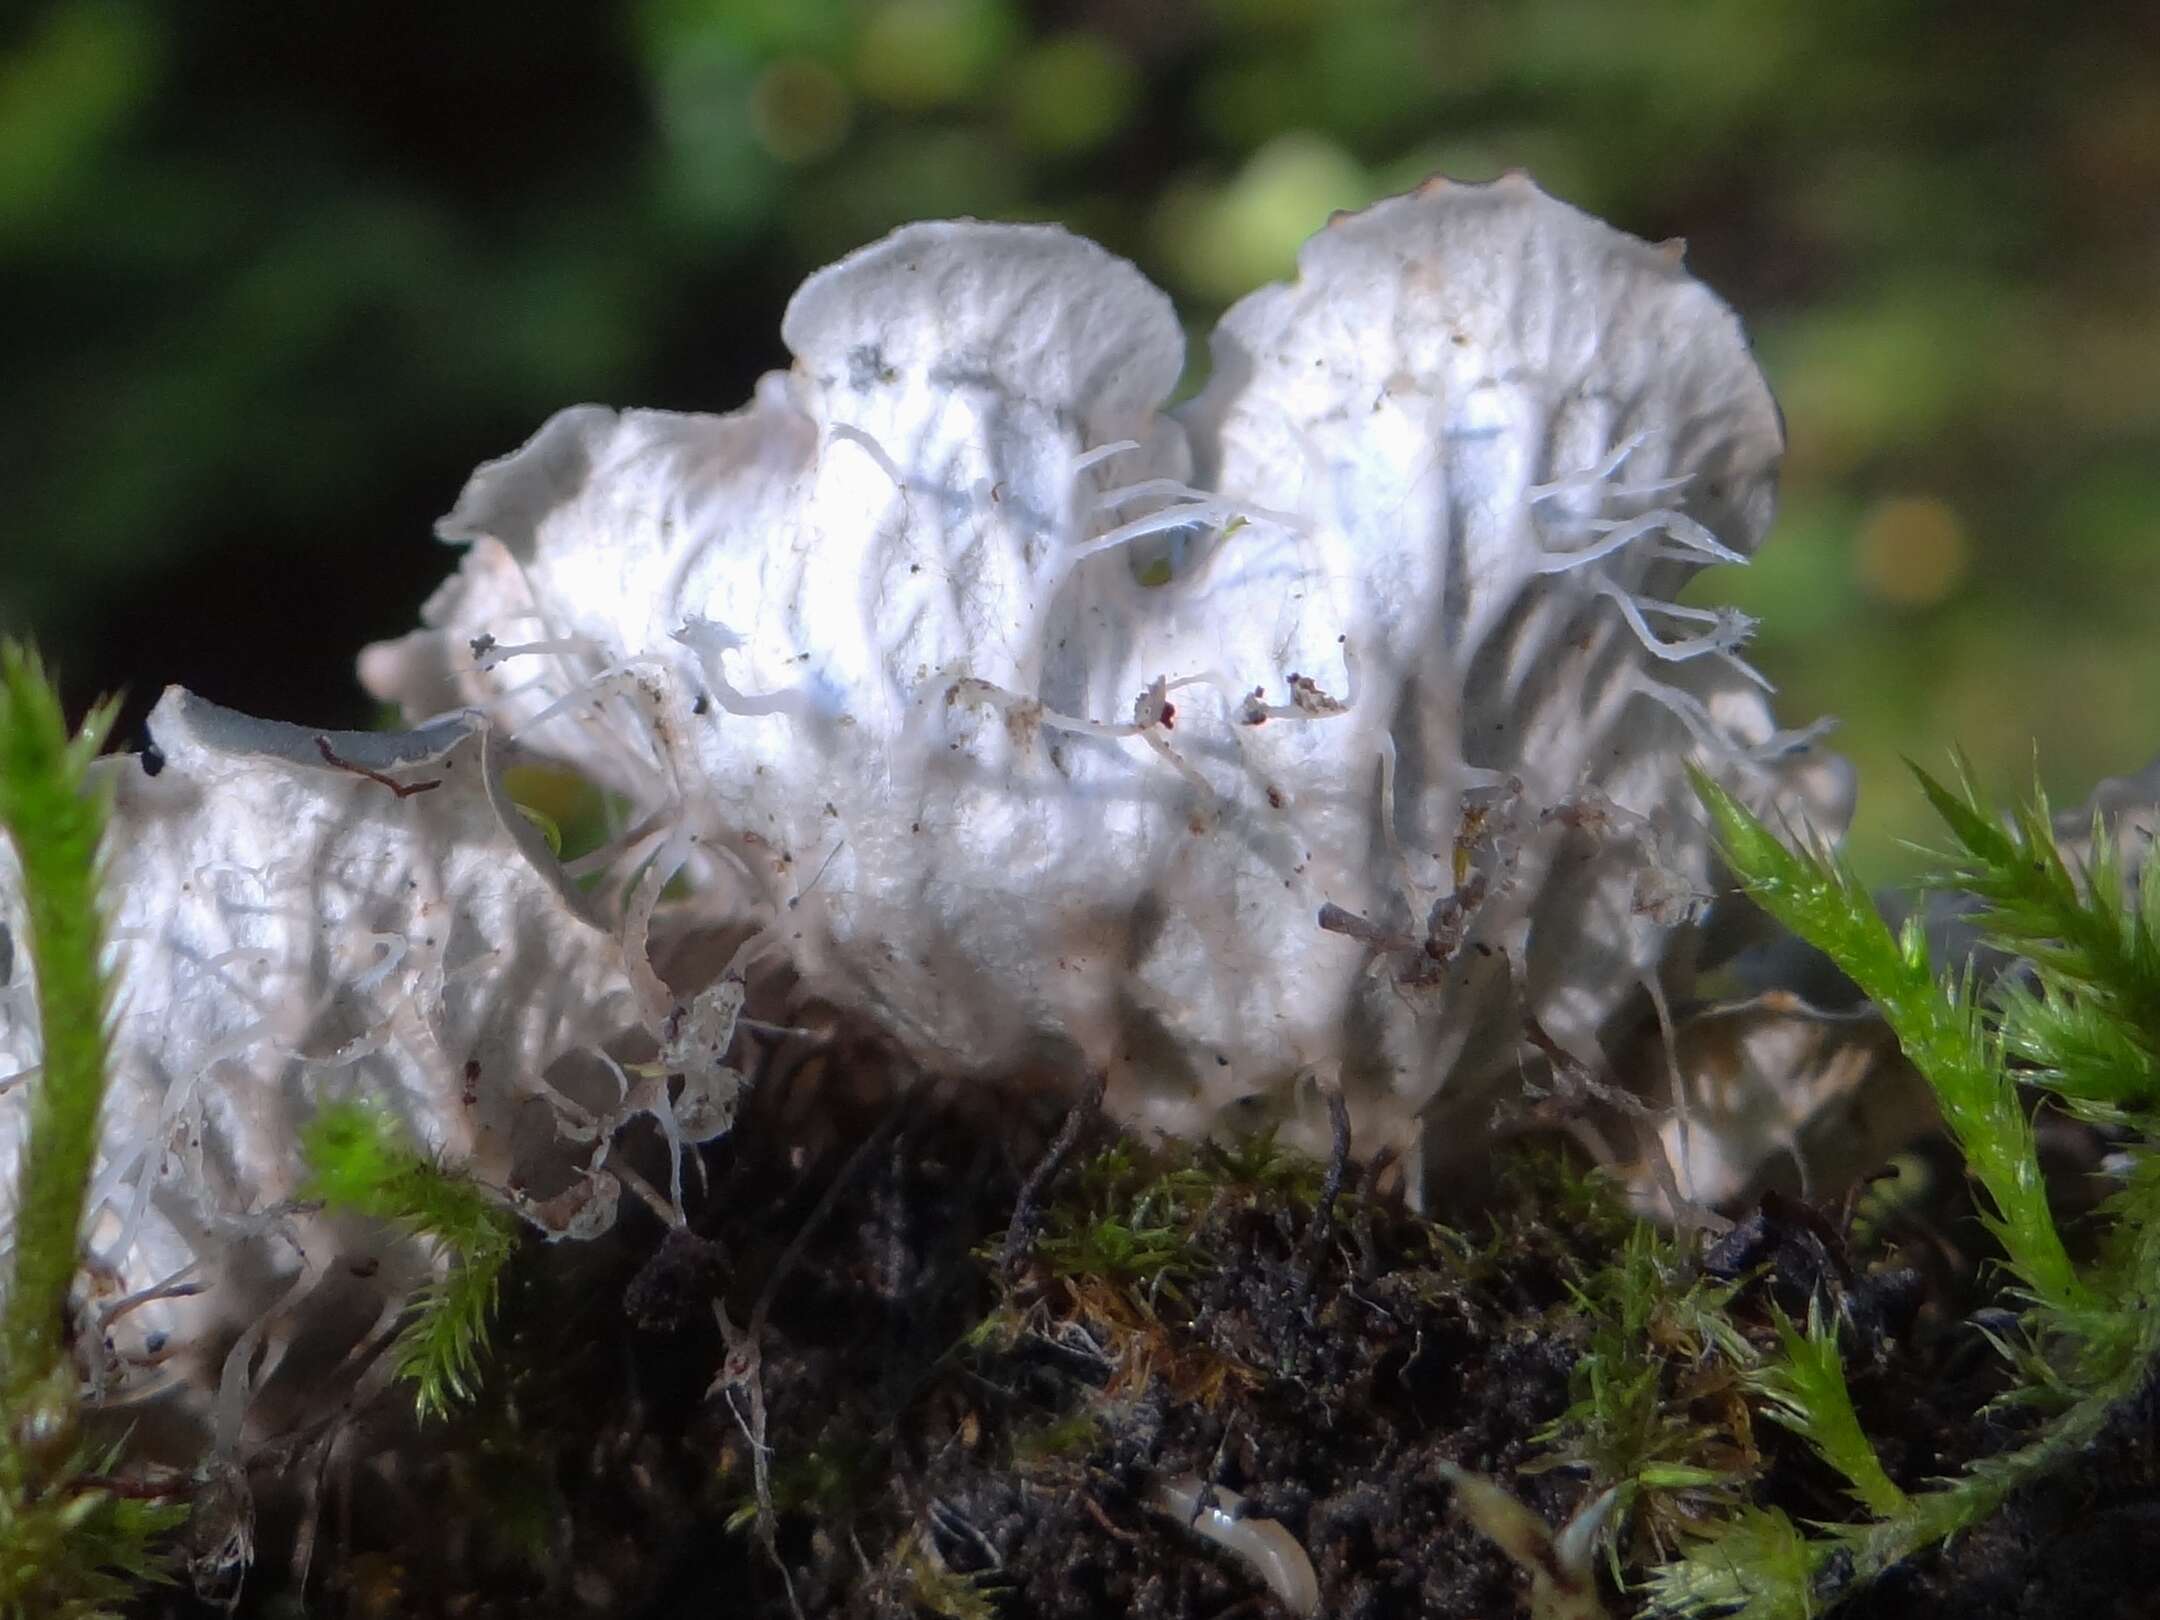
(1807, 1392)
(358, 1160)
(1936, 1022)
(67, 1548)
(55, 820)
(2082, 1022)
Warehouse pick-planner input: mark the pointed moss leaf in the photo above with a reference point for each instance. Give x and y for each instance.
(1937, 1025)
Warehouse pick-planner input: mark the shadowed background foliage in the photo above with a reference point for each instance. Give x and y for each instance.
(273, 278)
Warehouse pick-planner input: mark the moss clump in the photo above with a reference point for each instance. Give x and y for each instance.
(1660, 1409)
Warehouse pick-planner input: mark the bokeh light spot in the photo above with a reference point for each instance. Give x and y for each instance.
(799, 110)
(1911, 551)
(1071, 93)
(1224, 241)
(920, 54)
(66, 90)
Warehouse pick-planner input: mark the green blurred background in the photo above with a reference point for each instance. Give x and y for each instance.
(274, 277)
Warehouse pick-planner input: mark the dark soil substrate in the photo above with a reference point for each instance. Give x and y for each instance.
(949, 1434)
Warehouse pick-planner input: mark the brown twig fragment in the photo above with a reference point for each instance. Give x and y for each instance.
(1323, 1223)
(1026, 1208)
(403, 790)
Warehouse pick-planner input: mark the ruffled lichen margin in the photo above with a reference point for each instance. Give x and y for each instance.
(1302, 736)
